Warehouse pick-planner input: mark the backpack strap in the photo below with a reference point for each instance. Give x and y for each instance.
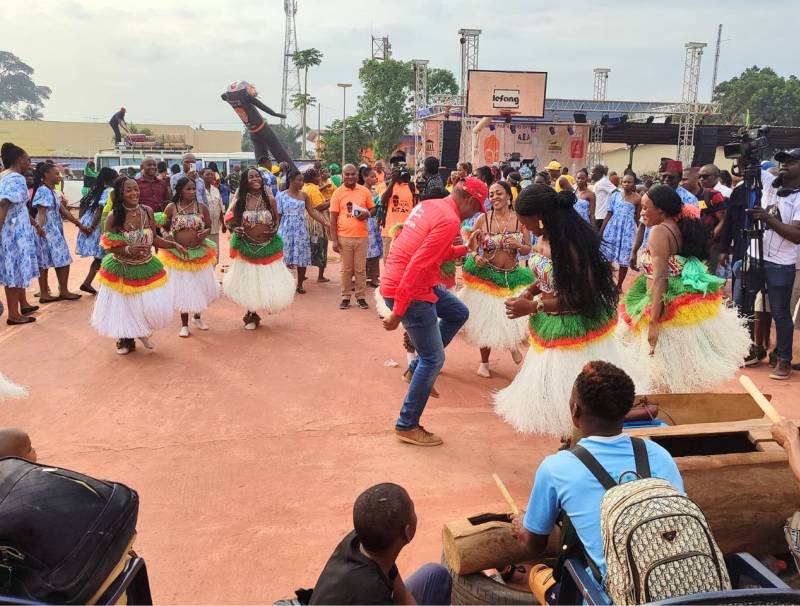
(640, 456)
(593, 465)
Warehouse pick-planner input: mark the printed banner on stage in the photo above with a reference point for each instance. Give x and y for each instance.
(540, 143)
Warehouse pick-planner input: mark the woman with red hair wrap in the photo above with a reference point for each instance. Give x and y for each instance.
(674, 315)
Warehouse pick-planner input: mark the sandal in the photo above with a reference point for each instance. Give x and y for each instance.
(300, 290)
(88, 289)
(73, 296)
(50, 299)
(29, 309)
(28, 320)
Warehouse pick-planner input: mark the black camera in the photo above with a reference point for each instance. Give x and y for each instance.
(748, 144)
(404, 176)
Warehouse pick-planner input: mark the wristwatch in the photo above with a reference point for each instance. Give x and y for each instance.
(539, 302)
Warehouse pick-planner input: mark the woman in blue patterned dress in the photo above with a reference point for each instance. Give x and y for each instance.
(619, 227)
(88, 244)
(369, 178)
(52, 249)
(18, 264)
(293, 203)
(584, 197)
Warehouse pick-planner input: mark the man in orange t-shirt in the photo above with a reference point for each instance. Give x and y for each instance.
(351, 206)
(398, 200)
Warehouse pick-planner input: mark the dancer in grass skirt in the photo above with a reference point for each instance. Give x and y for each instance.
(258, 279)
(133, 300)
(571, 309)
(492, 275)
(191, 277)
(690, 340)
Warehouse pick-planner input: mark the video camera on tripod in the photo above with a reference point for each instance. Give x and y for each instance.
(749, 144)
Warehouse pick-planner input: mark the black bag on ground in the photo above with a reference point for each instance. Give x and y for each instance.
(61, 532)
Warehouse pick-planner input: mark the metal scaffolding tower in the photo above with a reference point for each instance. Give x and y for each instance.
(291, 75)
(469, 60)
(420, 101)
(716, 62)
(600, 89)
(381, 48)
(690, 108)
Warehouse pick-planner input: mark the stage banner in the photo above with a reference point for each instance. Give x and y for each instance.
(536, 142)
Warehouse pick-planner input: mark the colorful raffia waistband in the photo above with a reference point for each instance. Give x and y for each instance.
(131, 279)
(110, 240)
(569, 331)
(494, 282)
(258, 254)
(681, 306)
(199, 257)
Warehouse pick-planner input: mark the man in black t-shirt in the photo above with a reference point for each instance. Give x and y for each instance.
(362, 568)
(117, 121)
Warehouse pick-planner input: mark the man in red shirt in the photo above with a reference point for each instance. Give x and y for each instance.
(153, 192)
(410, 286)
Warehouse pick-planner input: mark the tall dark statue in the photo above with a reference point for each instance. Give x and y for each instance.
(242, 97)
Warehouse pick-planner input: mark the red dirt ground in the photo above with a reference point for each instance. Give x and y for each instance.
(248, 448)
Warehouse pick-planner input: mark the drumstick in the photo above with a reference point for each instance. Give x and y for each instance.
(506, 495)
(763, 403)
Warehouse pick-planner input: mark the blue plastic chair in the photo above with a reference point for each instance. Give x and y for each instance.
(578, 586)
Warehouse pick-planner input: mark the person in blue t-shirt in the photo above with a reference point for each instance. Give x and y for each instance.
(601, 397)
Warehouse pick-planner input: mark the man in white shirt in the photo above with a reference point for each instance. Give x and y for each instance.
(709, 178)
(780, 213)
(603, 188)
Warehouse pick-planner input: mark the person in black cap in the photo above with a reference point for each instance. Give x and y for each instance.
(780, 212)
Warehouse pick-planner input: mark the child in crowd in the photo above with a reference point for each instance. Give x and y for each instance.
(14, 442)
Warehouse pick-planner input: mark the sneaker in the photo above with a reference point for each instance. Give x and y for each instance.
(250, 326)
(417, 436)
(122, 347)
(483, 371)
(408, 374)
(184, 332)
(773, 358)
(362, 303)
(200, 323)
(345, 304)
(783, 370)
(148, 344)
(516, 355)
(754, 357)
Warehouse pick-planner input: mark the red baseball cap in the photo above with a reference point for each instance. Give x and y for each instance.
(475, 188)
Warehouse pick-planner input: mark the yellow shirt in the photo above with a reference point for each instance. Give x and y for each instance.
(314, 194)
(568, 178)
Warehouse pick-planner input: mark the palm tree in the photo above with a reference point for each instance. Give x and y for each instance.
(303, 59)
(32, 113)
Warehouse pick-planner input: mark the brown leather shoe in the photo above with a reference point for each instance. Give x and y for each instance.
(783, 370)
(417, 436)
(407, 376)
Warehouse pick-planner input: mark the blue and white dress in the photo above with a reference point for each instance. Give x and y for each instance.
(620, 230)
(89, 246)
(582, 208)
(18, 263)
(52, 250)
(375, 241)
(293, 230)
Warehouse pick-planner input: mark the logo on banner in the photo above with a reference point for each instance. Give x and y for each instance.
(504, 98)
(576, 148)
(554, 145)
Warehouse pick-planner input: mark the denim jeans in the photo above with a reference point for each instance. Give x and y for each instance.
(779, 280)
(431, 585)
(431, 327)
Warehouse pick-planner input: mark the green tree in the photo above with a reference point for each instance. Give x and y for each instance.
(770, 98)
(17, 89)
(247, 144)
(441, 81)
(358, 137)
(304, 59)
(303, 101)
(387, 86)
(31, 113)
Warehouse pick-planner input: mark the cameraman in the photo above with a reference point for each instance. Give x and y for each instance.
(780, 213)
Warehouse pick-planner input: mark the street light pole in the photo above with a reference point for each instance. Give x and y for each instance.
(344, 88)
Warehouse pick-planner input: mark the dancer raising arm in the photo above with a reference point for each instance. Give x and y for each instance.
(572, 314)
(258, 277)
(492, 274)
(191, 276)
(132, 301)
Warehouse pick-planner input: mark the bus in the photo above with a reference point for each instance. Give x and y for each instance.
(133, 157)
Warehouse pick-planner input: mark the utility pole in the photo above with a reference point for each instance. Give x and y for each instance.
(344, 88)
(716, 62)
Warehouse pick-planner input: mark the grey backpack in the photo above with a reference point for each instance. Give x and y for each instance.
(656, 541)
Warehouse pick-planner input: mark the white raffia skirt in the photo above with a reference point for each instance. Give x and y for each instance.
(192, 291)
(10, 390)
(488, 325)
(269, 287)
(122, 316)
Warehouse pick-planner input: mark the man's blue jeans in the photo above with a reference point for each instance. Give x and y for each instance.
(779, 280)
(431, 327)
(431, 585)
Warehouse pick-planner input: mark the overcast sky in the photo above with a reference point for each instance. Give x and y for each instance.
(169, 61)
